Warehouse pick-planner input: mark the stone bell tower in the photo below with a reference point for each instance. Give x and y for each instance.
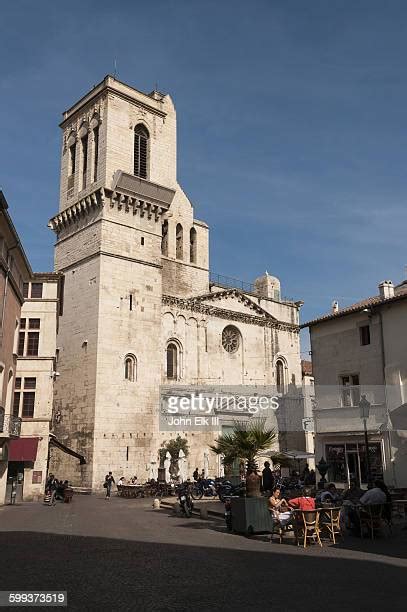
(120, 247)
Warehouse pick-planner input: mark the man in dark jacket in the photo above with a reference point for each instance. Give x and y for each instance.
(268, 478)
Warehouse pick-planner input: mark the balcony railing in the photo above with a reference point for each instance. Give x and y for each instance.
(10, 426)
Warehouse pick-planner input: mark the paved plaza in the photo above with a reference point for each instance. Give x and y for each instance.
(123, 555)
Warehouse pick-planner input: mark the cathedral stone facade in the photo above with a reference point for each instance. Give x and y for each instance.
(139, 312)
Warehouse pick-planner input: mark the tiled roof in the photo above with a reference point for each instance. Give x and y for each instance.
(400, 292)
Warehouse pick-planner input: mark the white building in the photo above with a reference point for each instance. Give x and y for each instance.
(139, 308)
(362, 349)
(33, 389)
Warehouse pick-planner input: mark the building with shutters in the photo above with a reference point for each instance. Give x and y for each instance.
(362, 350)
(33, 387)
(15, 270)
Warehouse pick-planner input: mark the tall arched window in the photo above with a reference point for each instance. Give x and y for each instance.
(172, 361)
(10, 384)
(84, 153)
(192, 245)
(164, 239)
(179, 237)
(280, 376)
(130, 368)
(141, 137)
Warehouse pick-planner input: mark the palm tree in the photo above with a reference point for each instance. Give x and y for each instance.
(244, 443)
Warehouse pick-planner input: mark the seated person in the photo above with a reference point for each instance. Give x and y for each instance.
(330, 495)
(351, 498)
(121, 481)
(374, 496)
(353, 494)
(279, 507)
(305, 502)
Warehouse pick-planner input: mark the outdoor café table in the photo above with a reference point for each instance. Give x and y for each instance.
(131, 490)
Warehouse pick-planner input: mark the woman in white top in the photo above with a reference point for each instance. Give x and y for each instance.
(279, 507)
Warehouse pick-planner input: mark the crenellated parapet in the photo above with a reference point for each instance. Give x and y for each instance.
(136, 206)
(118, 199)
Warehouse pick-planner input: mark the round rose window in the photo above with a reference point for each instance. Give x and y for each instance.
(230, 339)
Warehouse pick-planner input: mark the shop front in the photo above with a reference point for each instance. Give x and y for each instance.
(347, 460)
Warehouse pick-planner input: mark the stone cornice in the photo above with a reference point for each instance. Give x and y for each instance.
(128, 203)
(196, 305)
(239, 296)
(78, 210)
(97, 199)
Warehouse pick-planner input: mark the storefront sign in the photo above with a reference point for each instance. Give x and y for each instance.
(37, 478)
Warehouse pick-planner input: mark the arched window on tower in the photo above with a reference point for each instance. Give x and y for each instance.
(192, 245)
(172, 361)
(179, 237)
(141, 137)
(84, 151)
(280, 376)
(130, 368)
(164, 239)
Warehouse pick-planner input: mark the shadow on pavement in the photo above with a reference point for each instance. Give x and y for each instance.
(114, 574)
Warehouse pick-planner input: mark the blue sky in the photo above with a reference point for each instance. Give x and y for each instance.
(291, 126)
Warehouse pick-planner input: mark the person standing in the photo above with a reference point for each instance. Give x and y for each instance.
(268, 478)
(195, 475)
(109, 481)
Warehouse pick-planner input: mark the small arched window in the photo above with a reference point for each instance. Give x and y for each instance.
(280, 376)
(192, 245)
(164, 239)
(172, 361)
(130, 368)
(179, 237)
(141, 137)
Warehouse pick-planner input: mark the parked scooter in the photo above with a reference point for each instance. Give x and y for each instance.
(185, 500)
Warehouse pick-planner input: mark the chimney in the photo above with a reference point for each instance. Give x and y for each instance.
(386, 289)
(335, 307)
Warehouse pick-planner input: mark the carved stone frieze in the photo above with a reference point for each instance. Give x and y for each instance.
(196, 305)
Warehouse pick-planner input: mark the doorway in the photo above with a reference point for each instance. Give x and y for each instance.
(353, 466)
(15, 474)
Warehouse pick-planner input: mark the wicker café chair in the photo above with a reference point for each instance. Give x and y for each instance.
(330, 521)
(306, 526)
(371, 516)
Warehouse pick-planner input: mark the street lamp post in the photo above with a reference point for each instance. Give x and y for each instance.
(364, 407)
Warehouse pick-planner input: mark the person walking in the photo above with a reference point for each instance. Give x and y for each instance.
(109, 481)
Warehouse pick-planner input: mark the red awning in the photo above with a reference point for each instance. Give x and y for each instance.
(23, 449)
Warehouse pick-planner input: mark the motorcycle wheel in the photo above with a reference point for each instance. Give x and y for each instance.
(187, 511)
(196, 493)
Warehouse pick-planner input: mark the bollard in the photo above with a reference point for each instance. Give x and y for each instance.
(203, 513)
(156, 504)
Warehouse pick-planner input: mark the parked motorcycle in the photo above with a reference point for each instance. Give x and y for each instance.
(185, 500)
(226, 489)
(204, 487)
